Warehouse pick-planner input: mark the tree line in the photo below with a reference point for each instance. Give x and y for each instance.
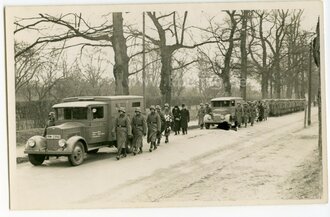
(71, 54)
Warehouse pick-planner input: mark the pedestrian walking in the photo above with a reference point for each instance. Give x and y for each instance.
(261, 111)
(200, 115)
(246, 114)
(168, 121)
(154, 126)
(139, 129)
(238, 115)
(253, 113)
(50, 122)
(122, 129)
(185, 118)
(162, 123)
(177, 119)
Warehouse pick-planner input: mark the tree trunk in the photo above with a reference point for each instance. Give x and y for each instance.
(166, 72)
(120, 69)
(243, 55)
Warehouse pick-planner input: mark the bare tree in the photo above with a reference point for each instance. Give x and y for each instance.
(73, 26)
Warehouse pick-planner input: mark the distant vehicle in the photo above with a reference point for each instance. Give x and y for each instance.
(82, 125)
(223, 112)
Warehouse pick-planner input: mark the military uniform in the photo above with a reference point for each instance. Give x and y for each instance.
(246, 114)
(139, 129)
(162, 123)
(253, 113)
(123, 130)
(50, 122)
(168, 122)
(238, 115)
(201, 113)
(261, 111)
(185, 118)
(154, 127)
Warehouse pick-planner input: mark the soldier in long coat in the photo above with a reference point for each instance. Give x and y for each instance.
(168, 121)
(239, 114)
(253, 113)
(139, 129)
(50, 122)
(177, 119)
(122, 129)
(261, 111)
(154, 127)
(185, 118)
(162, 123)
(246, 114)
(200, 115)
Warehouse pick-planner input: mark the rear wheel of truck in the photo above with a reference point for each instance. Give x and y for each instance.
(77, 156)
(207, 126)
(36, 159)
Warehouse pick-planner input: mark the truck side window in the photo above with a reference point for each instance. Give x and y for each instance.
(233, 103)
(136, 104)
(97, 112)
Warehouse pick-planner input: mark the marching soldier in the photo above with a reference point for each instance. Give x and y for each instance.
(168, 121)
(261, 111)
(162, 123)
(123, 130)
(238, 114)
(154, 126)
(177, 118)
(246, 114)
(139, 129)
(201, 113)
(50, 122)
(208, 109)
(185, 118)
(253, 113)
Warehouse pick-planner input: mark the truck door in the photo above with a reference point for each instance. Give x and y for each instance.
(99, 128)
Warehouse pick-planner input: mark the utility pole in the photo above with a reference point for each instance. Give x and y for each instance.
(310, 84)
(144, 61)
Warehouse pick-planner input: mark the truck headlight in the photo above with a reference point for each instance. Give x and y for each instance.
(31, 143)
(62, 143)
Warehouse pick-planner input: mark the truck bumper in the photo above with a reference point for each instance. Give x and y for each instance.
(48, 152)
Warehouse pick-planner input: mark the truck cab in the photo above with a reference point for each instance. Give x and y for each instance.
(223, 112)
(82, 125)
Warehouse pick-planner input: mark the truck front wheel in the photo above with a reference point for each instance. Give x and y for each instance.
(36, 159)
(207, 126)
(77, 156)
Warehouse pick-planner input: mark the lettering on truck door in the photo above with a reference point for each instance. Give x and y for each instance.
(99, 128)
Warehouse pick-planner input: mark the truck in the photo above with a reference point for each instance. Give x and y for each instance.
(223, 112)
(82, 125)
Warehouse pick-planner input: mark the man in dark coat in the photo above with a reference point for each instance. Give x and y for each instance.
(154, 126)
(139, 129)
(123, 130)
(185, 118)
(177, 118)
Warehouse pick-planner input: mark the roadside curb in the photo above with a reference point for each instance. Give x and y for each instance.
(24, 159)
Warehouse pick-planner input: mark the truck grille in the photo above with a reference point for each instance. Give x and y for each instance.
(52, 145)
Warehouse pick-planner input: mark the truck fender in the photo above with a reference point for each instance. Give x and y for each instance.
(41, 143)
(73, 140)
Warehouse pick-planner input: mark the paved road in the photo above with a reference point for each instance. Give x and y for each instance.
(205, 165)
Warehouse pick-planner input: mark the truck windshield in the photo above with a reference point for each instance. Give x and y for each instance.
(74, 113)
(226, 103)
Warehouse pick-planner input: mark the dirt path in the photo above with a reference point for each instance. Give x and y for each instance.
(254, 163)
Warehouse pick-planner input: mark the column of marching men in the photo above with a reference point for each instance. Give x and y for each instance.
(154, 126)
(160, 122)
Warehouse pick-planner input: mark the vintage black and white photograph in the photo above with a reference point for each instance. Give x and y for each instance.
(166, 105)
